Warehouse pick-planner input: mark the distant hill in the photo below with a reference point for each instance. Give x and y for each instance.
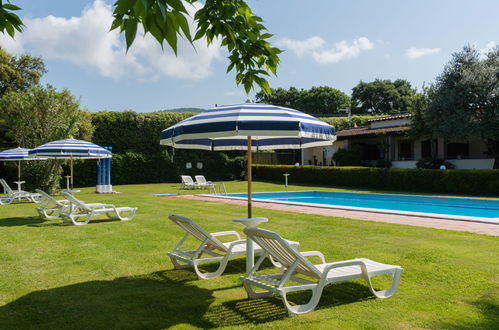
(183, 110)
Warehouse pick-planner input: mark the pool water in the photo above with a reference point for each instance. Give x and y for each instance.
(450, 206)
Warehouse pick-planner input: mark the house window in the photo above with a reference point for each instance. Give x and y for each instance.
(457, 150)
(405, 150)
(426, 148)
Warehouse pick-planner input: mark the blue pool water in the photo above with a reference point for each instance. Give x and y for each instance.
(451, 206)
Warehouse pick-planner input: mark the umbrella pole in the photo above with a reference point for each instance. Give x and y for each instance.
(249, 178)
(18, 170)
(71, 171)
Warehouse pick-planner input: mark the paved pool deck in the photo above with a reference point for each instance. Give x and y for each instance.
(429, 222)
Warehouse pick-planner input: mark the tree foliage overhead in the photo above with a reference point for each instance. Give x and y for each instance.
(382, 96)
(17, 73)
(316, 100)
(9, 21)
(464, 101)
(231, 21)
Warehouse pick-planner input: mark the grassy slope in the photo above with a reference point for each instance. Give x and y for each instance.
(112, 274)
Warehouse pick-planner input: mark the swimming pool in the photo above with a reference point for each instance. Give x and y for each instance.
(441, 207)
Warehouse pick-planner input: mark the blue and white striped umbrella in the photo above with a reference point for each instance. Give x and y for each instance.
(249, 127)
(270, 127)
(17, 154)
(70, 149)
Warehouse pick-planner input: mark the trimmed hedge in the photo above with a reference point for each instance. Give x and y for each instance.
(472, 182)
(139, 168)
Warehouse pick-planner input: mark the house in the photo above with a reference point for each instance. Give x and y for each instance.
(385, 138)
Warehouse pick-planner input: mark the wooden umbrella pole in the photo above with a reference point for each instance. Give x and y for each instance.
(18, 170)
(71, 171)
(249, 178)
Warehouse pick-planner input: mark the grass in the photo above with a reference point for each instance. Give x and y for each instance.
(113, 274)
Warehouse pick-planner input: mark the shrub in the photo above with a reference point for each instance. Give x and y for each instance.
(351, 156)
(473, 182)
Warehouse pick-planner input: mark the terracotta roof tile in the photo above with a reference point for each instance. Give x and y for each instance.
(368, 131)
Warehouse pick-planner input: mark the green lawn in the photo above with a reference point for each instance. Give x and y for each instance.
(113, 274)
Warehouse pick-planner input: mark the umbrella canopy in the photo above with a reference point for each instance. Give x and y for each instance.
(227, 128)
(249, 127)
(17, 154)
(70, 149)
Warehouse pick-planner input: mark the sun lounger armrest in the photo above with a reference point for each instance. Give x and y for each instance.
(232, 244)
(314, 253)
(345, 263)
(230, 232)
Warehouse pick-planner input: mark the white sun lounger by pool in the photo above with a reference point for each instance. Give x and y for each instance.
(210, 245)
(313, 277)
(202, 183)
(16, 194)
(188, 183)
(80, 213)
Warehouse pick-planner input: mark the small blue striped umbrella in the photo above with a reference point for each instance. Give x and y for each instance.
(70, 149)
(17, 154)
(249, 126)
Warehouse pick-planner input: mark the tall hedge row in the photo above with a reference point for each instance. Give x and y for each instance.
(473, 182)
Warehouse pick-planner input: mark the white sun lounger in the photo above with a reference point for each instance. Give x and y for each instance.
(202, 183)
(80, 213)
(313, 277)
(16, 194)
(210, 245)
(49, 207)
(188, 183)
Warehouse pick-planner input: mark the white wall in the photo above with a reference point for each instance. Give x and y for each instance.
(390, 123)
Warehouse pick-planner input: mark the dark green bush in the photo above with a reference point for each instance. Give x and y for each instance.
(472, 182)
(351, 156)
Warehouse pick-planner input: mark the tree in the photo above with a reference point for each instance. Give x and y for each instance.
(39, 115)
(17, 73)
(316, 100)
(463, 102)
(232, 22)
(382, 96)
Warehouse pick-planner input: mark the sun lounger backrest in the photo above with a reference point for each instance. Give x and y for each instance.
(201, 179)
(187, 179)
(195, 230)
(73, 200)
(279, 249)
(47, 197)
(7, 188)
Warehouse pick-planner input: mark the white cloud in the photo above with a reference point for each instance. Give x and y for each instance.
(301, 47)
(315, 46)
(488, 47)
(343, 51)
(415, 53)
(86, 40)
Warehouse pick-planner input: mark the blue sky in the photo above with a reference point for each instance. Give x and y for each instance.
(333, 43)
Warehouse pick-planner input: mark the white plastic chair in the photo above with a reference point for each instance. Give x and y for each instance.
(210, 245)
(80, 213)
(16, 194)
(313, 277)
(49, 207)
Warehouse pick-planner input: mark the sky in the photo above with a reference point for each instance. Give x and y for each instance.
(326, 43)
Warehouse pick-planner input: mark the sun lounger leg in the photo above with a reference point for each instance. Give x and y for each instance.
(397, 273)
(221, 267)
(305, 308)
(75, 219)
